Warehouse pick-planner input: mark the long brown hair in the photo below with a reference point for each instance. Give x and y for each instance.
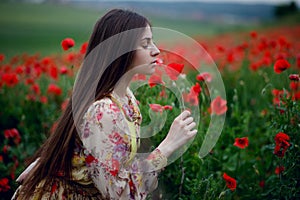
(56, 153)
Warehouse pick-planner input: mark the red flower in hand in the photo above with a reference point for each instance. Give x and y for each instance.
(230, 182)
(241, 142)
(281, 65)
(67, 43)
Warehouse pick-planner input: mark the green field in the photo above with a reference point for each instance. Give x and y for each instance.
(39, 28)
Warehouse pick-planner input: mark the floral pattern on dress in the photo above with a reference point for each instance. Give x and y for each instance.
(107, 139)
(101, 164)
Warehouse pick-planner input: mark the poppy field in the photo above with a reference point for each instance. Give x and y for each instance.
(257, 155)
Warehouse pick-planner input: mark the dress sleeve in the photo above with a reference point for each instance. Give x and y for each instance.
(106, 140)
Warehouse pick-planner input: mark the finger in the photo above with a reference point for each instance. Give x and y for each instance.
(184, 114)
(191, 126)
(193, 132)
(188, 120)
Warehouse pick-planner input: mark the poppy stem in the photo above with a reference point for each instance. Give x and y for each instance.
(238, 162)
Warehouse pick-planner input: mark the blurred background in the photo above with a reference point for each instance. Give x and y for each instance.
(39, 25)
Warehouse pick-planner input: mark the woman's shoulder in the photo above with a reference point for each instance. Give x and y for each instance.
(105, 104)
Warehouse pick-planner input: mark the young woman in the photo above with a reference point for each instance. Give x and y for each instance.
(92, 152)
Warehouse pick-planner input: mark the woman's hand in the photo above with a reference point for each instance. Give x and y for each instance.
(181, 132)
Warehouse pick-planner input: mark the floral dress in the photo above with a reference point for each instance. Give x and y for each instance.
(105, 163)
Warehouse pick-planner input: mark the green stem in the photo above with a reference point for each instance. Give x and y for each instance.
(238, 162)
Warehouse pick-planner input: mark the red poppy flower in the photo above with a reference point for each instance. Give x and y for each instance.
(20, 70)
(70, 57)
(43, 99)
(230, 182)
(53, 72)
(253, 34)
(294, 86)
(2, 57)
(282, 144)
(36, 88)
(279, 169)
(5, 149)
(10, 79)
(4, 185)
(63, 70)
(29, 81)
(281, 137)
(218, 106)
(196, 88)
(46, 61)
(205, 76)
(296, 96)
(298, 60)
(276, 92)
(241, 142)
(230, 57)
(220, 48)
(156, 107)
(173, 70)
(54, 89)
(191, 98)
(281, 65)
(294, 77)
(67, 43)
(14, 134)
(83, 48)
(154, 80)
(168, 107)
(262, 184)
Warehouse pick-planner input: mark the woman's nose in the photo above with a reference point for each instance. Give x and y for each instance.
(155, 51)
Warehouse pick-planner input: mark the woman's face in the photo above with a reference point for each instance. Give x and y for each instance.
(145, 55)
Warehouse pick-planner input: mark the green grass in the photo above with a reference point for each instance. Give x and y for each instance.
(39, 28)
(33, 28)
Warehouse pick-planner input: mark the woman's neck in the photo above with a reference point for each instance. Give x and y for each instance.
(122, 85)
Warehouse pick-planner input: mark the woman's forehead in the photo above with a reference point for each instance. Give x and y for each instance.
(148, 32)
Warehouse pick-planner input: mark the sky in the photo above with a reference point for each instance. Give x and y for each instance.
(238, 1)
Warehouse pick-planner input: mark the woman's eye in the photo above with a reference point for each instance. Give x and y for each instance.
(147, 44)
